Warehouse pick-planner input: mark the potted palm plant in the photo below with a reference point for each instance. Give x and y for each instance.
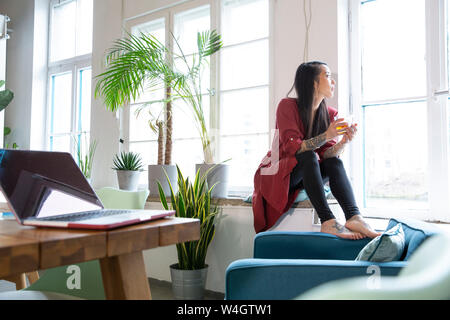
(192, 200)
(128, 167)
(139, 63)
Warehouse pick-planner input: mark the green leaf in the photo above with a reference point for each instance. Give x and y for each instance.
(127, 161)
(162, 196)
(6, 97)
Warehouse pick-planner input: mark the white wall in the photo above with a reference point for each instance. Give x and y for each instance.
(104, 124)
(19, 69)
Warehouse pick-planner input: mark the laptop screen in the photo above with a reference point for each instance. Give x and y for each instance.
(41, 184)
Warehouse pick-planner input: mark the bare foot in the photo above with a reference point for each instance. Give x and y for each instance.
(333, 227)
(357, 224)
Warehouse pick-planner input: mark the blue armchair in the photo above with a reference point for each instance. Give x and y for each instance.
(287, 264)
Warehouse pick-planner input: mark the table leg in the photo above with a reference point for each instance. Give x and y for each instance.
(124, 277)
(33, 276)
(19, 279)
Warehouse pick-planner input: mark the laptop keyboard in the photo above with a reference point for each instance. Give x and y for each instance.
(79, 216)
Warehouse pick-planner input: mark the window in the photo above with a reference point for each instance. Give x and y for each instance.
(69, 72)
(244, 88)
(141, 138)
(237, 114)
(403, 120)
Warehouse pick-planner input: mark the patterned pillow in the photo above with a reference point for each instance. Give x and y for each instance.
(388, 246)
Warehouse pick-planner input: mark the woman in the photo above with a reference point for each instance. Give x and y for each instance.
(304, 152)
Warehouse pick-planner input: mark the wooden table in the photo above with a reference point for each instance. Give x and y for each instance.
(24, 249)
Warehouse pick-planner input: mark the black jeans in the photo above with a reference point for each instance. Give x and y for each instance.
(311, 176)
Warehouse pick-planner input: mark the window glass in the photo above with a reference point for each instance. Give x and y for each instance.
(84, 27)
(184, 123)
(60, 143)
(71, 31)
(395, 154)
(149, 155)
(245, 65)
(84, 100)
(186, 154)
(139, 122)
(63, 32)
(187, 24)
(61, 103)
(245, 111)
(244, 88)
(393, 49)
(69, 98)
(155, 28)
(241, 28)
(246, 152)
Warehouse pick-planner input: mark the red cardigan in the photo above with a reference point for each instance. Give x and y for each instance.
(271, 197)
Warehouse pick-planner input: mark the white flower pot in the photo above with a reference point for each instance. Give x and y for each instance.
(156, 173)
(128, 180)
(219, 174)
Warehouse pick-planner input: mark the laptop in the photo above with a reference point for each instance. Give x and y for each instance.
(47, 189)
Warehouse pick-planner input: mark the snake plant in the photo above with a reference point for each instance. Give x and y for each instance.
(193, 200)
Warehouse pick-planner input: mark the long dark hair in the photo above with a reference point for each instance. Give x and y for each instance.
(305, 77)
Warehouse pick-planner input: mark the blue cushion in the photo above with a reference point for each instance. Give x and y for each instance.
(416, 232)
(388, 246)
(302, 196)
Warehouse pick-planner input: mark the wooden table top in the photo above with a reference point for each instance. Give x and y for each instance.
(25, 248)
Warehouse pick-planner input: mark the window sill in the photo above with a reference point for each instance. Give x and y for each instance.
(234, 201)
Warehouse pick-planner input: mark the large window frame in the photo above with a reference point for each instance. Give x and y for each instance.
(75, 66)
(168, 13)
(437, 118)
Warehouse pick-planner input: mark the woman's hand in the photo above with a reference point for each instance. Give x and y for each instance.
(349, 134)
(336, 128)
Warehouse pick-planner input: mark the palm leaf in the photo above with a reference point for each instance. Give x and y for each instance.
(208, 43)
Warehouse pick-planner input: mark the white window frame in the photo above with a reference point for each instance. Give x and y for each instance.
(168, 13)
(73, 65)
(437, 122)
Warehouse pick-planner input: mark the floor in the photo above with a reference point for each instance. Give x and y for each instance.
(160, 290)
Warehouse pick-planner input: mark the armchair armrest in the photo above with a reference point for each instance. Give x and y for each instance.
(274, 279)
(305, 245)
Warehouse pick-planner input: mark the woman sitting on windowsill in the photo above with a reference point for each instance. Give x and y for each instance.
(304, 151)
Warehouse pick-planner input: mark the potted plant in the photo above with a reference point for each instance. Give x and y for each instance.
(192, 200)
(85, 159)
(128, 167)
(141, 62)
(6, 96)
